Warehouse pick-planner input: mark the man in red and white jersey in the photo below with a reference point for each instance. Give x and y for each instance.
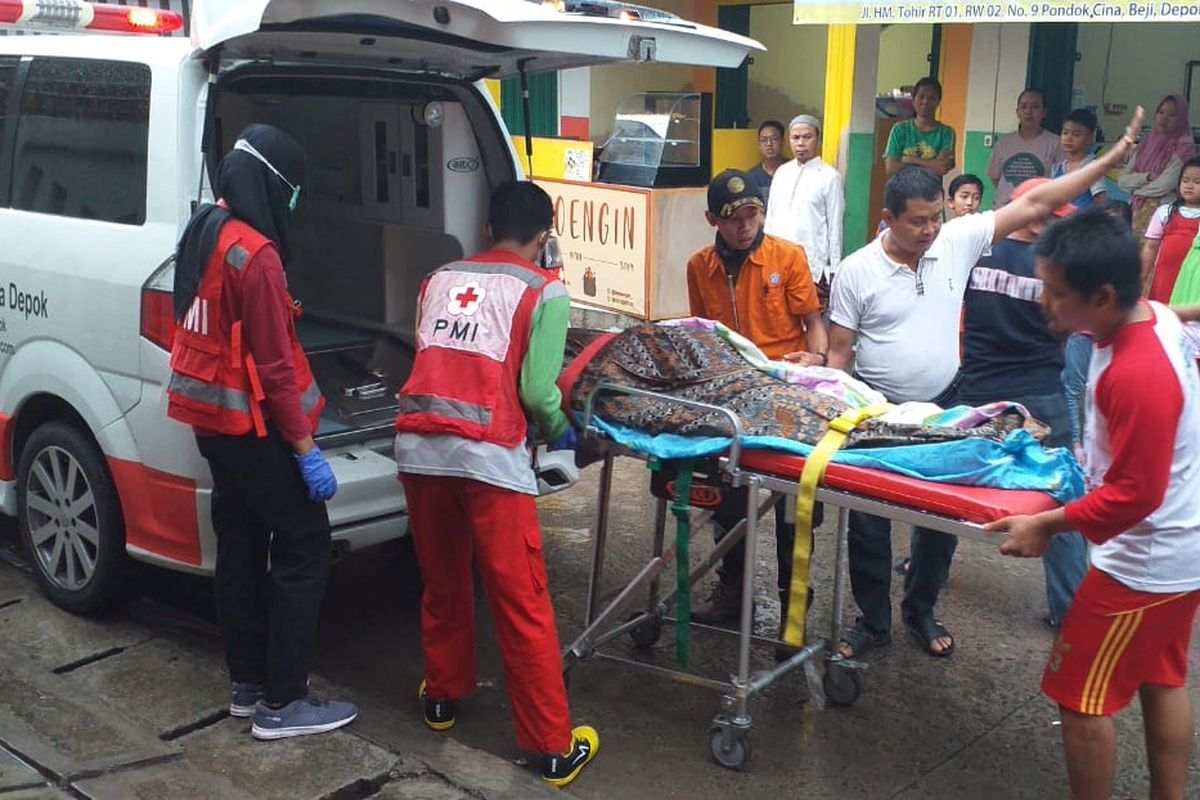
(1130, 626)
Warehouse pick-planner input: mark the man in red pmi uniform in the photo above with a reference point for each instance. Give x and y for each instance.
(240, 378)
(490, 344)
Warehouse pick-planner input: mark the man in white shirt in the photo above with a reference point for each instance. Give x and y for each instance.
(807, 203)
(895, 309)
(1028, 152)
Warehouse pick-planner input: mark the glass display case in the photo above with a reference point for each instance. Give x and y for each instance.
(659, 139)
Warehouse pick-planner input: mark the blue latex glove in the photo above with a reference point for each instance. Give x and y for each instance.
(567, 440)
(317, 475)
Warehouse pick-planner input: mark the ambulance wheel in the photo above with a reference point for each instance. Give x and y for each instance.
(842, 686)
(735, 755)
(69, 518)
(646, 634)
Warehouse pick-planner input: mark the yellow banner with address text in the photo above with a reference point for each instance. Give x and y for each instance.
(875, 12)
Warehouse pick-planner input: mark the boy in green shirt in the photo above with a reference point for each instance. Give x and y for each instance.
(923, 140)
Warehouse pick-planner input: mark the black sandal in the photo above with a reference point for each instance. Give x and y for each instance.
(862, 640)
(926, 631)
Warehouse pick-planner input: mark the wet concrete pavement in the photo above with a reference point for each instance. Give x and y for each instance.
(973, 726)
(134, 706)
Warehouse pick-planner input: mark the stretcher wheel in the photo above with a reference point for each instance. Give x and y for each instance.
(733, 757)
(646, 634)
(842, 686)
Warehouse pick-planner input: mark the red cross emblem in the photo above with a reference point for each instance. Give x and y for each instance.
(465, 299)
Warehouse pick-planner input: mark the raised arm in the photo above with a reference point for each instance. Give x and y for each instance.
(1040, 203)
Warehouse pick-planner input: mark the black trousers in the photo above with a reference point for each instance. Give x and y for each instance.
(870, 551)
(262, 515)
(732, 512)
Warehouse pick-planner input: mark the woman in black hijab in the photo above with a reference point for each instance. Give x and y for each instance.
(270, 480)
(258, 182)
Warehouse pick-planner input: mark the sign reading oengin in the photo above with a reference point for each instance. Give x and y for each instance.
(604, 234)
(885, 12)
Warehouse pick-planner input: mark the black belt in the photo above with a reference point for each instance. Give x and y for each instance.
(949, 396)
(945, 398)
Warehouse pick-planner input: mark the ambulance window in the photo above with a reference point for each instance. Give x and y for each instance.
(81, 140)
(8, 71)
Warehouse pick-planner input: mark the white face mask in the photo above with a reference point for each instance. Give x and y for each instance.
(246, 147)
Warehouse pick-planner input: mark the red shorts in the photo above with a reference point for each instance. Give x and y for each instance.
(1116, 640)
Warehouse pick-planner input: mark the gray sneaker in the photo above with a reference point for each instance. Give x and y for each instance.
(301, 717)
(243, 697)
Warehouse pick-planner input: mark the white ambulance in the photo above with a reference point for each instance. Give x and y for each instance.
(103, 142)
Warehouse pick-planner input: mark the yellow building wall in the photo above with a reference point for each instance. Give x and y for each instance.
(734, 149)
(493, 87)
(549, 156)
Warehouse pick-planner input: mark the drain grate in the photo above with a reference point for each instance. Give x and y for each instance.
(92, 659)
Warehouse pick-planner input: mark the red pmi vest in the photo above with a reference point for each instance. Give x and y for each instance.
(476, 318)
(214, 382)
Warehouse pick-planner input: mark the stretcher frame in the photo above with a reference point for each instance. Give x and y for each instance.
(841, 683)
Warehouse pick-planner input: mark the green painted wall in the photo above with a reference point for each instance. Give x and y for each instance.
(860, 155)
(976, 156)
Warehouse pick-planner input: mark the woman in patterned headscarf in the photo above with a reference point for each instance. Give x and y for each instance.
(1153, 176)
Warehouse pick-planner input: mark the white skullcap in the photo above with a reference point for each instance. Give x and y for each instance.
(806, 119)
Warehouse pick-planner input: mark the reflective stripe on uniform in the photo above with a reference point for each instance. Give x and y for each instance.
(444, 407)
(553, 291)
(237, 257)
(524, 274)
(310, 398)
(211, 394)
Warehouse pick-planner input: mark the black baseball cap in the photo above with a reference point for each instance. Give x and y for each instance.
(731, 190)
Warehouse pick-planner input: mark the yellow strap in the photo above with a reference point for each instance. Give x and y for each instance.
(806, 497)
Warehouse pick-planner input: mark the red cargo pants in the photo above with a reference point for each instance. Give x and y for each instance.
(455, 520)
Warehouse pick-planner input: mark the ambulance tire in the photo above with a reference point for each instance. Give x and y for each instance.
(81, 563)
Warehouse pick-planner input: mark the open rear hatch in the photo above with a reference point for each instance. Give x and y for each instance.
(464, 39)
(350, 79)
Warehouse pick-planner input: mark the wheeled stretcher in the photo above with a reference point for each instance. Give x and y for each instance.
(953, 509)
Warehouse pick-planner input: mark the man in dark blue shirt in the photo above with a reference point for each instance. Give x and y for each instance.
(770, 147)
(1009, 353)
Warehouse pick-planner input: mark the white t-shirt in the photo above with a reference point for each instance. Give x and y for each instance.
(907, 343)
(1142, 442)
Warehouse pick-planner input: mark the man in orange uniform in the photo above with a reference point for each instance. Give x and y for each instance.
(761, 287)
